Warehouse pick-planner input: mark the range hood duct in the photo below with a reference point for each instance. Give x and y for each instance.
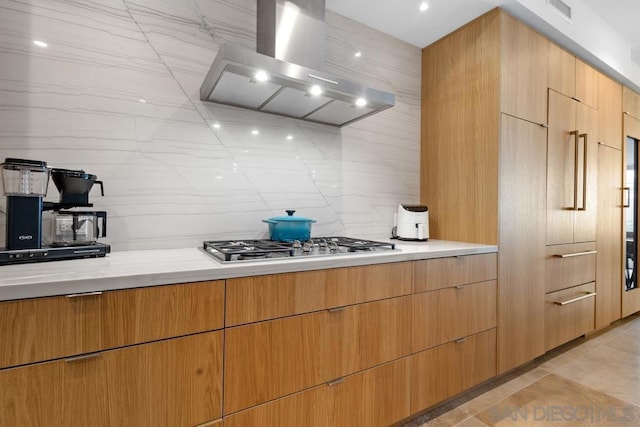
(290, 59)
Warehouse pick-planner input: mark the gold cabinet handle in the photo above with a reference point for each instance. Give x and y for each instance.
(628, 190)
(580, 298)
(584, 172)
(460, 340)
(336, 309)
(86, 294)
(83, 357)
(571, 255)
(459, 286)
(335, 382)
(576, 137)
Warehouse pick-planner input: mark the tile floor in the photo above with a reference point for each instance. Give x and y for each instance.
(593, 381)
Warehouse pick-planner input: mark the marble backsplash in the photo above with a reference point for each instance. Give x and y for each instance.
(116, 93)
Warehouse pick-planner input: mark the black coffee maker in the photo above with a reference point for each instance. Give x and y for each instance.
(25, 185)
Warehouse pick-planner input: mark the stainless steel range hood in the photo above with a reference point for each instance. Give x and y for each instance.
(270, 80)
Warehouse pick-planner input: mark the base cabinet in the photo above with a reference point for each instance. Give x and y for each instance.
(444, 371)
(375, 397)
(148, 384)
(267, 360)
(569, 313)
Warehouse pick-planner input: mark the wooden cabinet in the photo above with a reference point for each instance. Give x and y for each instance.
(483, 173)
(440, 273)
(572, 77)
(569, 313)
(571, 171)
(609, 112)
(266, 360)
(148, 384)
(522, 242)
(448, 314)
(251, 299)
(570, 265)
(609, 237)
(375, 397)
(444, 371)
(40, 329)
(630, 103)
(523, 83)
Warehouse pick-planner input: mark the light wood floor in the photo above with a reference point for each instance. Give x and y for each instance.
(593, 381)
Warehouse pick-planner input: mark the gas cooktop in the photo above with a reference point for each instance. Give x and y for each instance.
(260, 250)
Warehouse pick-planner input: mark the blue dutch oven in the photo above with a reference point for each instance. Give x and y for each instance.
(289, 228)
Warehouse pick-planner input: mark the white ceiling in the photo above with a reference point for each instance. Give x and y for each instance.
(401, 19)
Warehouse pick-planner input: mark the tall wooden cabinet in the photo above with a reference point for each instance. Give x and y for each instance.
(483, 138)
(571, 171)
(609, 243)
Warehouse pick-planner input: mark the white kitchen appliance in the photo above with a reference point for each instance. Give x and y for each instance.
(411, 223)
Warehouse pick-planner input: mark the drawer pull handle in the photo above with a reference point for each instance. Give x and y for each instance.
(580, 298)
(83, 357)
(575, 254)
(87, 294)
(335, 382)
(336, 309)
(459, 286)
(460, 340)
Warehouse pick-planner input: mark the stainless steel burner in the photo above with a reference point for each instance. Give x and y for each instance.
(258, 250)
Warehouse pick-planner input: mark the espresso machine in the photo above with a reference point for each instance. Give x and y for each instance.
(74, 233)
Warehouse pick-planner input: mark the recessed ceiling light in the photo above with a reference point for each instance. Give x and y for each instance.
(255, 132)
(289, 137)
(358, 54)
(216, 125)
(261, 76)
(40, 43)
(423, 6)
(142, 100)
(361, 102)
(315, 90)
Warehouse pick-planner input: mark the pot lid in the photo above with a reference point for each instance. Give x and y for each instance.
(290, 218)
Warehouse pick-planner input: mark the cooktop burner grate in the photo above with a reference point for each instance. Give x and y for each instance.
(244, 250)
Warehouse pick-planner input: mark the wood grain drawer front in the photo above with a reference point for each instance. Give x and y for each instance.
(267, 360)
(375, 397)
(448, 314)
(442, 372)
(41, 329)
(175, 382)
(252, 299)
(570, 265)
(307, 408)
(569, 314)
(439, 273)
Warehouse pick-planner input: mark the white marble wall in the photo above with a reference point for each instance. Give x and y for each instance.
(170, 179)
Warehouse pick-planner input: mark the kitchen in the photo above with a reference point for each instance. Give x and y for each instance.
(178, 171)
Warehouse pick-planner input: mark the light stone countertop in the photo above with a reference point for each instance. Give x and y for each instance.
(133, 269)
